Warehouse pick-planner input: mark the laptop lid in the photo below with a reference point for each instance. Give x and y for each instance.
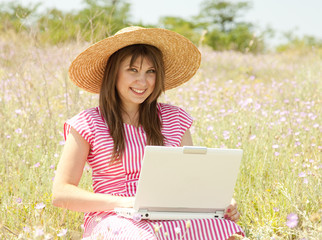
(187, 179)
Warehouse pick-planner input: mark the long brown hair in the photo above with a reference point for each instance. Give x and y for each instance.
(109, 100)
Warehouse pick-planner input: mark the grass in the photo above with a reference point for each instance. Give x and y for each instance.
(269, 105)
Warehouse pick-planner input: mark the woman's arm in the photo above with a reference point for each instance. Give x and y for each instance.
(186, 139)
(67, 194)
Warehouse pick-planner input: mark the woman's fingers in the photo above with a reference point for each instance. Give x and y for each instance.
(232, 213)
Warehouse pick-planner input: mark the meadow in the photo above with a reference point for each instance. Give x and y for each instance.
(268, 104)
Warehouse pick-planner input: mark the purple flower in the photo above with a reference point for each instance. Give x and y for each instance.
(18, 130)
(137, 217)
(37, 165)
(226, 135)
(302, 174)
(276, 209)
(18, 200)
(18, 111)
(26, 229)
(252, 137)
(292, 220)
(40, 205)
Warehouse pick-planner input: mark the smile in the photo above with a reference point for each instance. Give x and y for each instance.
(138, 90)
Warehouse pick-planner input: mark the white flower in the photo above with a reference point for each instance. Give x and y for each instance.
(62, 232)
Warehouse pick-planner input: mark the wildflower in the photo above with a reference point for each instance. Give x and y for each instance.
(252, 137)
(26, 229)
(276, 209)
(39, 232)
(210, 128)
(137, 217)
(62, 143)
(40, 206)
(305, 181)
(226, 135)
(52, 166)
(297, 143)
(188, 224)
(177, 230)
(18, 130)
(62, 232)
(275, 146)
(292, 220)
(157, 228)
(18, 200)
(18, 111)
(48, 237)
(302, 174)
(37, 165)
(56, 155)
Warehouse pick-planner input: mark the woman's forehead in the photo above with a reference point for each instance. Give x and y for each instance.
(138, 60)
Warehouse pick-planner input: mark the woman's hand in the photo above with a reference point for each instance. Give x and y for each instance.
(231, 212)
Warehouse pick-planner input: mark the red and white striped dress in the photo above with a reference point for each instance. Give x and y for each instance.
(121, 179)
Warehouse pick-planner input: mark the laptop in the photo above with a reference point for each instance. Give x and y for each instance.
(184, 183)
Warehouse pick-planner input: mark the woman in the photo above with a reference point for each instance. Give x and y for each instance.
(129, 70)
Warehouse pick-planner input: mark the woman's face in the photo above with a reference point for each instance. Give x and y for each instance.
(135, 83)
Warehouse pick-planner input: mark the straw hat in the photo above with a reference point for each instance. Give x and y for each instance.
(181, 57)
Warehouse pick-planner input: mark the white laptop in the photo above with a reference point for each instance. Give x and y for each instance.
(184, 183)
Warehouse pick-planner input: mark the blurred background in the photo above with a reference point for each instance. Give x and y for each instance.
(247, 26)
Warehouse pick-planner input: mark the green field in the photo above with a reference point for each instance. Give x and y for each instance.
(269, 105)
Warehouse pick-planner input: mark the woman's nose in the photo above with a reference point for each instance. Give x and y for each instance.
(142, 78)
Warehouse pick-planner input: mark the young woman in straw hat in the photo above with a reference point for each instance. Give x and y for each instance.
(129, 70)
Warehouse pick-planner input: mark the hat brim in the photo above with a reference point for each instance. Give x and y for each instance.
(181, 57)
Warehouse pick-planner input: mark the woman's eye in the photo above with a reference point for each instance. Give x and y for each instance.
(151, 71)
(133, 69)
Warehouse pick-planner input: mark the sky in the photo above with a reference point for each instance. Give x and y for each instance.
(303, 17)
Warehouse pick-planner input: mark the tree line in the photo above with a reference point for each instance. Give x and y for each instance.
(218, 24)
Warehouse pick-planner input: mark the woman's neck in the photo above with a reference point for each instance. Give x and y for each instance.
(131, 116)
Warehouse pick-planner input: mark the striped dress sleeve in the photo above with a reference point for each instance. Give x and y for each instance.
(175, 122)
(83, 124)
(185, 120)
